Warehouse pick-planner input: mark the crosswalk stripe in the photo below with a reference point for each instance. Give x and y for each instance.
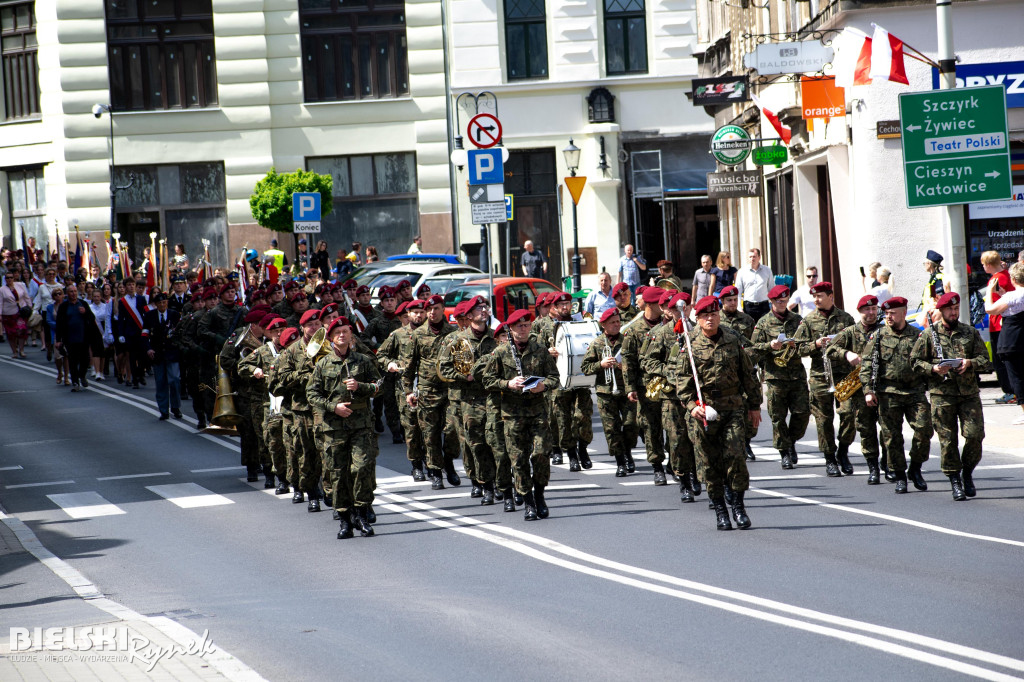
(85, 505)
(16, 467)
(127, 476)
(188, 495)
(38, 485)
(258, 485)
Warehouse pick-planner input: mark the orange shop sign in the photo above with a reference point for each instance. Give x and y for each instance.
(820, 98)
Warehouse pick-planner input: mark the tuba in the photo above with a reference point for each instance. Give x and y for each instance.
(225, 417)
(247, 342)
(318, 346)
(848, 386)
(462, 357)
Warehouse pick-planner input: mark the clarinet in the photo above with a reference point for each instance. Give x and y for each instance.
(938, 348)
(515, 351)
(876, 358)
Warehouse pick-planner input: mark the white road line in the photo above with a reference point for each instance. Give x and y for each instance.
(465, 494)
(189, 495)
(127, 476)
(648, 482)
(16, 467)
(996, 466)
(783, 478)
(206, 471)
(889, 517)
(34, 442)
(37, 485)
(85, 505)
(258, 485)
(832, 629)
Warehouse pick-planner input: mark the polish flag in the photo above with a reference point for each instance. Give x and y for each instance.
(785, 133)
(887, 57)
(852, 64)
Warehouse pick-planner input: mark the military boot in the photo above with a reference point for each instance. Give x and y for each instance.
(969, 489)
(268, 474)
(792, 455)
(843, 455)
(620, 466)
(730, 496)
(510, 503)
(584, 456)
(451, 475)
(314, 503)
(630, 464)
(784, 459)
(328, 498)
(538, 497)
(958, 488)
(831, 466)
(476, 491)
(722, 514)
(694, 483)
(362, 523)
(336, 515)
(517, 498)
(282, 487)
(750, 453)
(916, 477)
(883, 463)
(252, 474)
(739, 512)
(530, 512)
(487, 494)
(371, 515)
(574, 459)
(874, 475)
(298, 497)
(901, 482)
(436, 481)
(556, 455)
(417, 470)
(659, 474)
(685, 493)
(499, 494)
(345, 526)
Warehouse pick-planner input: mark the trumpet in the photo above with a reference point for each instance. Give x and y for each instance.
(609, 372)
(828, 365)
(783, 356)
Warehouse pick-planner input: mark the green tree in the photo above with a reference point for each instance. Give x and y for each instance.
(271, 201)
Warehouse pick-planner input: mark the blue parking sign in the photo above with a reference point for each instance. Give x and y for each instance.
(306, 207)
(485, 167)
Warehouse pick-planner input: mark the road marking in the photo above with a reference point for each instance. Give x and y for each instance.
(889, 517)
(791, 617)
(783, 478)
(127, 476)
(37, 485)
(452, 496)
(189, 495)
(16, 467)
(258, 485)
(649, 482)
(35, 442)
(85, 505)
(987, 466)
(206, 471)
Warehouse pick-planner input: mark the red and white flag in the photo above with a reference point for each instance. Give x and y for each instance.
(887, 57)
(852, 63)
(785, 133)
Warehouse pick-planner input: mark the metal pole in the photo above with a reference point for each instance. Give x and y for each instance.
(113, 185)
(485, 238)
(957, 273)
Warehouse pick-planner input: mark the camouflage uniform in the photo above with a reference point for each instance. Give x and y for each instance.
(496, 441)
(454, 443)
(677, 283)
(384, 405)
(472, 403)
(244, 395)
(813, 327)
(661, 360)
(634, 345)
(212, 330)
(265, 360)
(194, 357)
(419, 357)
(614, 408)
(349, 442)
(294, 368)
(390, 351)
(551, 437)
(742, 324)
(729, 384)
(787, 386)
(956, 398)
(855, 340)
(628, 313)
(523, 412)
(900, 389)
(574, 408)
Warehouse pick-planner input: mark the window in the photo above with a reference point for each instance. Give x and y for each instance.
(161, 54)
(375, 200)
(353, 50)
(625, 36)
(20, 65)
(526, 39)
(27, 192)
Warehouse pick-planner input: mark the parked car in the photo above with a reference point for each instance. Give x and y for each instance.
(428, 258)
(417, 274)
(510, 293)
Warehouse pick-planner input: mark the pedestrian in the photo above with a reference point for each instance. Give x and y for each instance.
(753, 283)
(872, 275)
(58, 356)
(724, 272)
(802, 302)
(301, 263)
(371, 254)
(354, 254)
(601, 299)
(157, 337)
(76, 330)
(416, 246)
(532, 261)
(703, 284)
(1011, 336)
(44, 297)
(954, 392)
(105, 340)
(180, 258)
(999, 279)
(937, 284)
(129, 327)
(883, 290)
(16, 308)
(632, 268)
(321, 260)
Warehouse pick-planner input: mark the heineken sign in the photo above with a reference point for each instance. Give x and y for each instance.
(773, 155)
(730, 145)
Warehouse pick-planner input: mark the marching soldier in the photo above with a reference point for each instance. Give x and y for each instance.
(362, 304)
(472, 396)
(389, 355)
(954, 391)
(814, 333)
(622, 297)
(454, 443)
(725, 381)
(612, 403)
(228, 359)
(419, 357)
(784, 374)
(379, 329)
(253, 369)
(511, 369)
(894, 385)
(503, 479)
(573, 407)
(735, 319)
(340, 388)
(196, 359)
(850, 345)
(634, 345)
(300, 304)
(544, 310)
(274, 427)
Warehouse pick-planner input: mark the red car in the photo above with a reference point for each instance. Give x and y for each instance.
(510, 293)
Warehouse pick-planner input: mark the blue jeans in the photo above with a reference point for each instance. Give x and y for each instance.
(168, 386)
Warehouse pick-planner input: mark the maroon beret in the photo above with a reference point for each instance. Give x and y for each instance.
(730, 291)
(517, 316)
(619, 288)
(341, 321)
(542, 298)
(225, 288)
(415, 303)
(404, 284)
(778, 291)
(385, 292)
(289, 285)
(558, 297)
(436, 299)
(641, 289)
(287, 336)
(460, 309)
(652, 294)
(350, 284)
(474, 302)
(681, 298)
(952, 298)
(266, 319)
(328, 309)
(276, 323)
(822, 288)
(666, 296)
(606, 315)
(500, 329)
(310, 315)
(253, 317)
(401, 307)
(894, 302)
(708, 304)
(209, 293)
(867, 300)
(362, 290)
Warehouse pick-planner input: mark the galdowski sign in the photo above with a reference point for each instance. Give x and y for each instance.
(807, 56)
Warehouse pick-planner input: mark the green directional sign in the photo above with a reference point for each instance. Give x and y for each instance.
(956, 147)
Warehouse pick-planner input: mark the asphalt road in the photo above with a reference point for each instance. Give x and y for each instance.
(835, 580)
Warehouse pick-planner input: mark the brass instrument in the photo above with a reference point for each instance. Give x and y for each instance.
(828, 365)
(666, 284)
(609, 372)
(225, 417)
(247, 342)
(318, 346)
(848, 386)
(658, 388)
(462, 357)
(783, 356)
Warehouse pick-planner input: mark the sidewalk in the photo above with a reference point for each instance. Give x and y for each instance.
(57, 627)
(1000, 433)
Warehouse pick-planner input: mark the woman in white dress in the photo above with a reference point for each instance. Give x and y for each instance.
(101, 311)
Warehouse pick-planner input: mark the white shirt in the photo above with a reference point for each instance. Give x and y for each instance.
(804, 301)
(882, 293)
(754, 284)
(101, 311)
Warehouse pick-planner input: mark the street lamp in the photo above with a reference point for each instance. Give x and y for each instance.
(572, 162)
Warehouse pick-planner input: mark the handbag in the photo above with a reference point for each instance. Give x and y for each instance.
(25, 312)
(34, 320)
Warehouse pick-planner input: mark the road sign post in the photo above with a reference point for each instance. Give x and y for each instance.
(305, 212)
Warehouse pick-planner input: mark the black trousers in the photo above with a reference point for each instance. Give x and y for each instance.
(78, 360)
(1014, 366)
(1000, 364)
(756, 310)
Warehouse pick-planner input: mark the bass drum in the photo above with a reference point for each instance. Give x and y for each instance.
(572, 339)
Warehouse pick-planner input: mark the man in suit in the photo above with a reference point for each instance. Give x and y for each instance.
(157, 335)
(130, 310)
(179, 295)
